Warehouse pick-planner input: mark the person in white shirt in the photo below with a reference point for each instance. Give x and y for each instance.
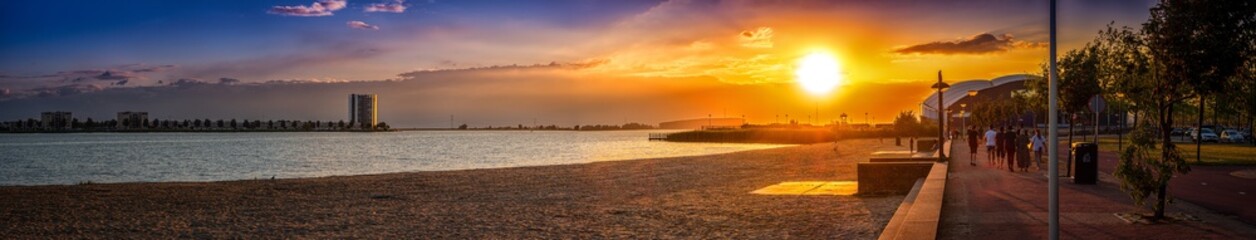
(1039, 144)
(991, 140)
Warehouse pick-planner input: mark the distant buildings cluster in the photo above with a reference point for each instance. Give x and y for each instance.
(363, 112)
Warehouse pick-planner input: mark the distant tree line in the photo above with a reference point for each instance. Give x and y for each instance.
(626, 126)
(598, 127)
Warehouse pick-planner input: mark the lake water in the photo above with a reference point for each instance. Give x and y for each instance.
(39, 159)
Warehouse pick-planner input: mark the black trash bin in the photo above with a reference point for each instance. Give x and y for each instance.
(1085, 157)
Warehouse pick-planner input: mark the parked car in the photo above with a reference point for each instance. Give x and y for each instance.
(1204, 135)
(1232, 135)
(1178, 132)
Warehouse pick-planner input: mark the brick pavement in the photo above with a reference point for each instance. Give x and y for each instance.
(982, 202)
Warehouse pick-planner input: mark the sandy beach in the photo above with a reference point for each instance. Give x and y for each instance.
(680, 197)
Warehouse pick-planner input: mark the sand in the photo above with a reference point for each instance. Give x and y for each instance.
(680, 197)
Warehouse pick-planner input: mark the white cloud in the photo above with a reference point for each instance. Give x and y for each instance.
(318, 9)
(361, 25)
(393, 7)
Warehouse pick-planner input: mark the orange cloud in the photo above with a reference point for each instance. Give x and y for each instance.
(978, 44)
(758, 38)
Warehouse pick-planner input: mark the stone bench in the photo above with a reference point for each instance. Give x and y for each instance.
(890, 177)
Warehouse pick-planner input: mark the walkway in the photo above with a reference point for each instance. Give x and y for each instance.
(1208, 186)
(986, 203)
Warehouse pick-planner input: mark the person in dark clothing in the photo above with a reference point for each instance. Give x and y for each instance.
(1010, 148)
(999, 137)
(1022, 150)
(972, 145)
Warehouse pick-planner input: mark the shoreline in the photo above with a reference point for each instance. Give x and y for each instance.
(687, 197)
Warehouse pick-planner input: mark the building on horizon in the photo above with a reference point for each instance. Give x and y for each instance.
(131, 119)
(56, 120)
(363, 109)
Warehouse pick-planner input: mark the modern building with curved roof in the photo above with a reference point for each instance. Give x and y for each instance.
(973, 92)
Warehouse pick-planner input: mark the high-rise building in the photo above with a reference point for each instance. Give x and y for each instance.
(132, 119)
(362, 110)
(56, 120)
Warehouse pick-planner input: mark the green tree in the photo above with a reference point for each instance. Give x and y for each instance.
(1151, 159)
(906, 124)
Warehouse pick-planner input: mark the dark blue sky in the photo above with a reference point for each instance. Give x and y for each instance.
(82, 55)
(40, 37)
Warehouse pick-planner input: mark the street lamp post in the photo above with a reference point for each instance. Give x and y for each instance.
(963, 119)
(941, 86)
(1053, 169)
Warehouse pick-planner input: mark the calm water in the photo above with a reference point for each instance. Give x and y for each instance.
(37, 159)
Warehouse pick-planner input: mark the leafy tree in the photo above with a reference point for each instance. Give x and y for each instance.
(907, 124)
(1079, 81)
(463, 126)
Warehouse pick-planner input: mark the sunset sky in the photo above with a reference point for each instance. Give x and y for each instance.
(509, 62)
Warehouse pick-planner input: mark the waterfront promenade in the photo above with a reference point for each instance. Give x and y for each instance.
(983, 202)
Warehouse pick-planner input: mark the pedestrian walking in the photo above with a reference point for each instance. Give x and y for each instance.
(1039, 143)
(991, 140)
(1009, 146)
(1000, 137)
(1022, 150)
(972, 145)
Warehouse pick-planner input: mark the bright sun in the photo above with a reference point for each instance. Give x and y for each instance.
(818, 73)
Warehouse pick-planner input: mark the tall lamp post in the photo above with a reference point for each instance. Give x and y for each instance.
(972, 95)
(963, 119)
(1053, 137)
(941, 86)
